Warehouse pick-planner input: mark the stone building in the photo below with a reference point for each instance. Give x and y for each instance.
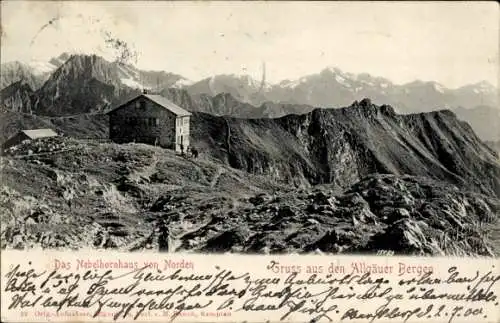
(150, 119)
(28, 135)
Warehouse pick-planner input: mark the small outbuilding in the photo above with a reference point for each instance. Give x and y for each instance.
(150, 119)
(24, 135)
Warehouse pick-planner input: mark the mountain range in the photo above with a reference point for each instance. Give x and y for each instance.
(75, 84)
(333, 88)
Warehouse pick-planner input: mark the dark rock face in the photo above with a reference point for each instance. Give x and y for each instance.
(83, 84)
(18, 97)
(342, 146)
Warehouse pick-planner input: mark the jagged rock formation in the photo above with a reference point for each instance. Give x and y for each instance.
(89, 83)
(83, 84)
(18, 97)
(407, 215)
(34, 73)
(341, 146)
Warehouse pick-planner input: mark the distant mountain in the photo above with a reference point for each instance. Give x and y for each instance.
(13, 72)
(224, 104)
(77, 84)
(242, 87)
(334, 88)
(478, 94)
(82, 84)
(60, 60)
(89, 83)
(484, 120)
(34, 73)
(17, 97)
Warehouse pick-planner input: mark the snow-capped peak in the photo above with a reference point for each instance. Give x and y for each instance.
(334, 70)
(41, 67)
(182, 82)
(438, 87)
(132, 83)
(482, 87)
(291, 84)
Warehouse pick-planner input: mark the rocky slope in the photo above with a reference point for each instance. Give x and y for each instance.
(137, 197)
(18, 97)
(495, 145)
(94, 126)
(341, 146)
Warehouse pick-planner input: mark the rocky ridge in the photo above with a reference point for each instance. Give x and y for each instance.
(341, 146)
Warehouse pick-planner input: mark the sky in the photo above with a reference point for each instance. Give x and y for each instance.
(453, 43)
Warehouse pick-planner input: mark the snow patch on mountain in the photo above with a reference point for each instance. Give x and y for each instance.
(128, 72)
(291, 84)
(438, 87)
(130, 82)
(340, 79)
(182, 83)
(41, 68)
(367, 82)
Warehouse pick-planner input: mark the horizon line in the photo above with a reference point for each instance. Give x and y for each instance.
(327, 67)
